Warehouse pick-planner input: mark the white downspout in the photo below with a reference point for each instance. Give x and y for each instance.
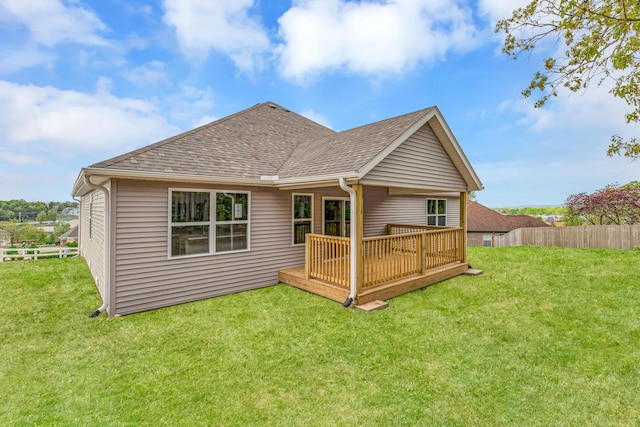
(352, 258)
(105, 258)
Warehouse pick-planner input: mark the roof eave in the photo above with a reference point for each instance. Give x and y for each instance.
(80, 188)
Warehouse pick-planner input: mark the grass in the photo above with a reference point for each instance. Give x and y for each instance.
(546, 336)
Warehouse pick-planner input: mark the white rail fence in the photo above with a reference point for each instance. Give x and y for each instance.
(12, 254)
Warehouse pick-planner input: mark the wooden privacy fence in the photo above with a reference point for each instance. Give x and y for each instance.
(11, 254)
(591, 236)
(384, 258)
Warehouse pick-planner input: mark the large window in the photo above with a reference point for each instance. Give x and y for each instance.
(199, 226)
(302, 217)
(436, 212)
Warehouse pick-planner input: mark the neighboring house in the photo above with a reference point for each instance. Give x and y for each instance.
(69, 236)
(266, 195)
(70, 211)
(484, 223)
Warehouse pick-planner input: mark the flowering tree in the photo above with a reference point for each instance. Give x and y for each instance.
(610, 205)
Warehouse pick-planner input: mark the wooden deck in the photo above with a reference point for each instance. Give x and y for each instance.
(409, 258)
(296, 277)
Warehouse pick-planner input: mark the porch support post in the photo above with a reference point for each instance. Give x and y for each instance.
(463, 224)
(358, 217)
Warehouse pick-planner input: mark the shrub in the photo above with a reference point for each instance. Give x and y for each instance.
(72, 244)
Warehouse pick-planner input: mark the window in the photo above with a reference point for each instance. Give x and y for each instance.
(302, 217)
(486, 240)
(196, 222)
(336, 217)
(232, 220)
(436, 212)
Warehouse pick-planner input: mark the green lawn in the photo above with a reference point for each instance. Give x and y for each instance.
(546, 336)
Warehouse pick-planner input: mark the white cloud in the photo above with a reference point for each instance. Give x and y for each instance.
(585, 111)
(51, 22)
(19, 160)
(500, 9)
(47, 119)
(24, 57)
(370, 37)
(151, 73)
(316, 117)
(224, 26)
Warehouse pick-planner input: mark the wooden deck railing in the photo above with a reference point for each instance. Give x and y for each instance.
(393, 257)
(385, 258)
(327, 258)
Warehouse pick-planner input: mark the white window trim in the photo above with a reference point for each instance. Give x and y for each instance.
(343, 213)
(490, 239)
(445, 215)
(294, 219)
(211, 223)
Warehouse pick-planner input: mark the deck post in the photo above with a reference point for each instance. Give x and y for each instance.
(463, 224)
(358, 216)
(307, 257)
(422, 253)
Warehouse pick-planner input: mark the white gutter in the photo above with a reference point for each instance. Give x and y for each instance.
(352, 258)
(107, 239)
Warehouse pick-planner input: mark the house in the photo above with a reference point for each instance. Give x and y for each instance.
(266, 195)
(70, 211)
(484, 223)
(69, 236)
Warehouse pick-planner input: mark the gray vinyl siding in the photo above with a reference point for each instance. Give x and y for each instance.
(381, 209)
(419, 162)
(146, 278)
(92, 236)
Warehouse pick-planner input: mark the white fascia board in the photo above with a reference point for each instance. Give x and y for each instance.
(175, 177)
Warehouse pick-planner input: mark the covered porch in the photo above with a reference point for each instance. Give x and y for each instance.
(407, 258)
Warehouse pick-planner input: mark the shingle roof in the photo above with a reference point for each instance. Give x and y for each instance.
(253, 142)
(482, 219)
(265, 139)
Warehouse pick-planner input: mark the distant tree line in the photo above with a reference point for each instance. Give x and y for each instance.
(538, 211)
(22, 210)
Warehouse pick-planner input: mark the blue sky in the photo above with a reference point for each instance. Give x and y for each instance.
(82, 81)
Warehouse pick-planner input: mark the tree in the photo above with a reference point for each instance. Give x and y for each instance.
(610, 205)
(52, 214)
(14, 230)
(41, 217)
(602, 39)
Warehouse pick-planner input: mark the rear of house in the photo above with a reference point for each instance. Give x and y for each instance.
(225, 207)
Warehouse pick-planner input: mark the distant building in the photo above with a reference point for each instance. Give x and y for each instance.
(70, 211)
(484, 223)
(70, 236)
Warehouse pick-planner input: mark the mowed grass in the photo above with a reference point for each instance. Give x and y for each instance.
(546, 336)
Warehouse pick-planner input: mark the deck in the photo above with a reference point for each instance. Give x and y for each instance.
(409, 258)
